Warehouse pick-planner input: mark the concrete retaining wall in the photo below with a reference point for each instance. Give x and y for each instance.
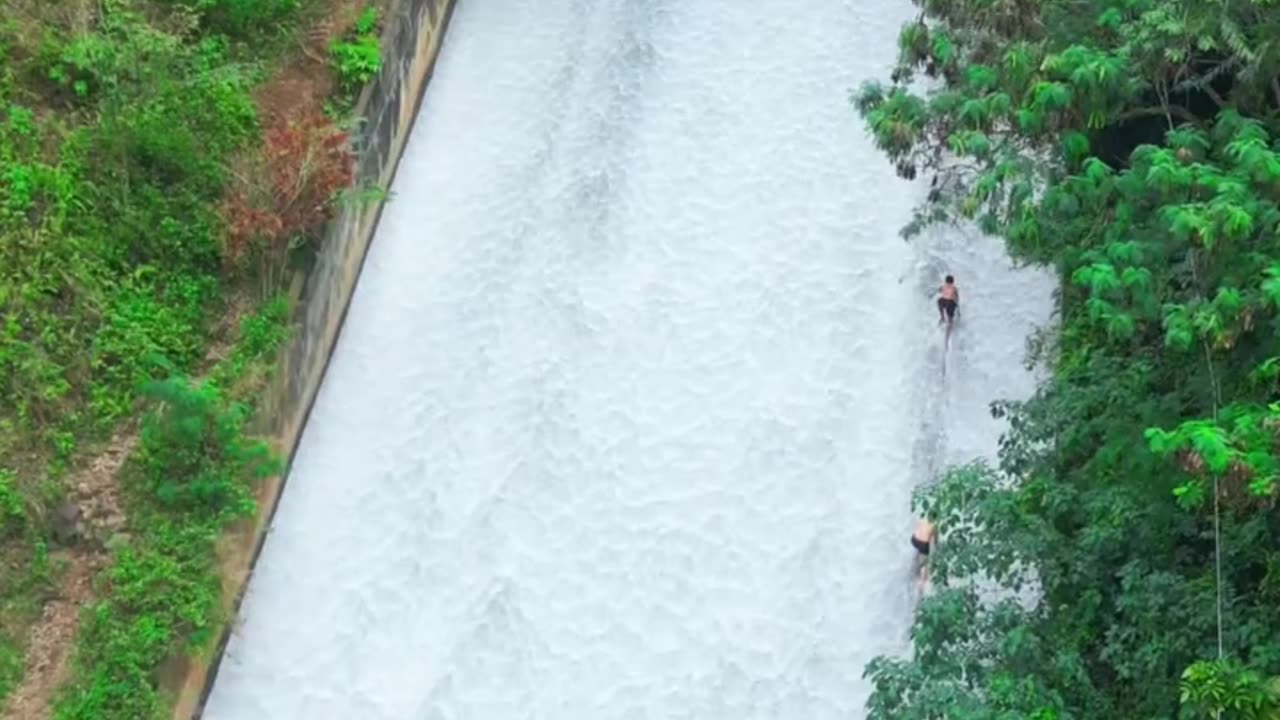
(410, 43)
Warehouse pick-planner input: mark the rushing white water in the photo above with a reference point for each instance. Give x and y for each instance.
(629, 404)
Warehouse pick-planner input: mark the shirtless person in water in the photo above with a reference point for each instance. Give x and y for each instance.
(948, 300)
(922, 540)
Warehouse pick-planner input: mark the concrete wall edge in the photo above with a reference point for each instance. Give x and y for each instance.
(411, 40)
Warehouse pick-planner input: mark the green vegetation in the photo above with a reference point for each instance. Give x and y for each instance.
(240, 18)
(111, 240)
(357, 56)
(1132, 147)
(142, 201)
(25, 570)
(191, 477)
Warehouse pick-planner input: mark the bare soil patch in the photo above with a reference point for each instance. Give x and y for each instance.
(306, 80)
(52, 638)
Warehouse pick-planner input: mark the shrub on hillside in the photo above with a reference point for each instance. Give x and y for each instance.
(241, 18)
(357, 56)
(193, 453)
(286, 194)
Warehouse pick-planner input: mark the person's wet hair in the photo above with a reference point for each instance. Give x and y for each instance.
(950, 279)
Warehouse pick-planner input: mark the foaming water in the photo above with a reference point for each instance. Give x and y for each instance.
(630, 400)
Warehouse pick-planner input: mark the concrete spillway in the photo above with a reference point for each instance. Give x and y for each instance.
(638, 378)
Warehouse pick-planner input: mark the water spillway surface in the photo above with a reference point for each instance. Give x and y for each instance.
(630, 400)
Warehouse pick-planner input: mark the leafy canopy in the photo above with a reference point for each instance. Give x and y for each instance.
(1130, 145)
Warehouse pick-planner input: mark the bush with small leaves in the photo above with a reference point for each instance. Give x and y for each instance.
(357, 56)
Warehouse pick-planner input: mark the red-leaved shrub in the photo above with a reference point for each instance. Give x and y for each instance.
(286, 194)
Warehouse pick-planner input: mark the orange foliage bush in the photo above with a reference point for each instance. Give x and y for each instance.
(288, 191)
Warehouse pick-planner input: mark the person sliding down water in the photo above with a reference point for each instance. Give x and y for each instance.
(922, 539)
(948, 301)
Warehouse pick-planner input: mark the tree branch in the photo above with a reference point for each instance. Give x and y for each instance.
(1162, 89)
(1213, 94)
(1166, 110)
(1205, 81)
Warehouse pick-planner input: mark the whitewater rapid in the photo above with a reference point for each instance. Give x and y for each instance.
(628, 407)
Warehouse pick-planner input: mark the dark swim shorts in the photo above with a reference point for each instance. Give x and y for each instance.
(947, 305)
(920, 545)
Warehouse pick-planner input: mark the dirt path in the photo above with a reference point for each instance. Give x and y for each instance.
(93, 514)
(48, 657)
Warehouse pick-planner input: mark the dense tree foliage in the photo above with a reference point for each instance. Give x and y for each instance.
(1131, 145)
